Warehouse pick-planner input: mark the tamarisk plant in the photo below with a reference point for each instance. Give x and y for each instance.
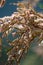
(29, 24)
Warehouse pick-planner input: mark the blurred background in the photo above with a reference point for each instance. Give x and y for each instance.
(9, 9)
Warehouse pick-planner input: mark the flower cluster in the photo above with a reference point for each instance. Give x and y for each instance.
(29, 25)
